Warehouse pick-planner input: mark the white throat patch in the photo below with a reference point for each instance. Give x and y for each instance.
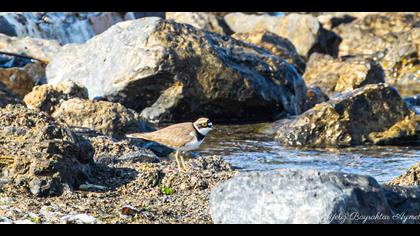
(202, 131)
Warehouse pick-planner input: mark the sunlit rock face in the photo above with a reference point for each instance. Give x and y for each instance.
(374, 114)
(174, 72)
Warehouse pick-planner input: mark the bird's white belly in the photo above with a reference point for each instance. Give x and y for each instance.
(194, 144)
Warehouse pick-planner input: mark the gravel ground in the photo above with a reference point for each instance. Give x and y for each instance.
(126, 193)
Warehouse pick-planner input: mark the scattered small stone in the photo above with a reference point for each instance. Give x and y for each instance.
(79, 219)
(129, 210)
(5, 220)
(90, 187)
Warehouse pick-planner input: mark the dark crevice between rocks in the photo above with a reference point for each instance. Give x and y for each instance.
(10, 60)
(328, 42)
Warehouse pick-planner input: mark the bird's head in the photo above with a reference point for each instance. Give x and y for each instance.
(203, 125)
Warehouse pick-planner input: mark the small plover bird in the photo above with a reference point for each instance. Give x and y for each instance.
(180, 137)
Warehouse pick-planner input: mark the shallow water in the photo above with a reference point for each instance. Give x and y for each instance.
(247, 148)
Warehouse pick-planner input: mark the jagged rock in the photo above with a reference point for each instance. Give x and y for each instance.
(40, 154)
(303, 30)
(105, 117)
(406, 131)
(188, 73)
(339, 75)
(402, 63)
(20, 74)
(40, 49)
(47, 97)
(201, 20)
(411, 177)
(372, 114)
(275, 44)
(287, 196)
(374, 33)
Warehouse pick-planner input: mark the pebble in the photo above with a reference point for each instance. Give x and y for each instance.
(79, 219)
(5, 220)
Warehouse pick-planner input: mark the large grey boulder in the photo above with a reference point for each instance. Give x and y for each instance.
(304, 196)
(171, 72)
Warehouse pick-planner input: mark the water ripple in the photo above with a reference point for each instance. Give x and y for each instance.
(248, 149)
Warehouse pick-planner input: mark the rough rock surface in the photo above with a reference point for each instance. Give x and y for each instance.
(47, 97)
(303, 30)
(374, 33)
(108, 118)
(411, 177)
(299, 196)
(40, 155)
(402, 63)
(21, 80)
(275, 44)
(40, 49)
(188, 73)
(371, 114)
(338, 75)
(201, 20)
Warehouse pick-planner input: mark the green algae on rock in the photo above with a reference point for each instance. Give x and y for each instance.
(372, 114)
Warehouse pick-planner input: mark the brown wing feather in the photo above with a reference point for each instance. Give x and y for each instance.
(174, 136)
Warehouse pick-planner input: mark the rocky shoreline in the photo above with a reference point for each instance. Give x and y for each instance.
(322, 81)
(127, 192)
